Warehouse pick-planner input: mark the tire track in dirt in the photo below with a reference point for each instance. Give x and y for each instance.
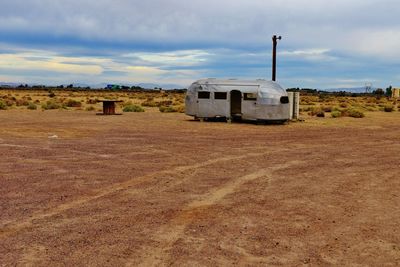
(10, 228)
(171, 232)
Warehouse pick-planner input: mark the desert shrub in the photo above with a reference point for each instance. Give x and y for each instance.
(165, 103)
(170, 109)
(8, 102)
(51, 94)
(91, 101)
(132, 108)
(178, 102)
(388, 108)
(51, 104)
(305, 109)
(31, 106)
(149, 103)
(73, 103)
(370, 108)
(354, 113)
(317, 111)
(336, 114)
(370, 105)
(3, 105)
(307, 101)
(90, 108)
(180, 108)
(22, 102)
(127, 103)
(167, 109)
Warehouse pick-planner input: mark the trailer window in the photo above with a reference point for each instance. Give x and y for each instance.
(284, 100)
(220, 95)
(250, 96)
(204, 95)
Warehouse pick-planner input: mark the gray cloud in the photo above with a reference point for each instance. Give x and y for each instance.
(213, 38)
(236, 23)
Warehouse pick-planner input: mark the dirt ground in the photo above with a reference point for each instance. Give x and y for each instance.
(152, 189)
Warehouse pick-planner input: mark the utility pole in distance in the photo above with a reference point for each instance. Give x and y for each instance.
(275, 44)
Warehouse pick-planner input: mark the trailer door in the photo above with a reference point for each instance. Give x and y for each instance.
(249, 106)
(204, 104)
(221, 104)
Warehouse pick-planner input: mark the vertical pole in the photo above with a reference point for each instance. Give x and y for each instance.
(274, 45)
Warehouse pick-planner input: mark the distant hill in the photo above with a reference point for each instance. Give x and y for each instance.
(9, 84)
(350, 90)
(103, 85)
(164, 86)
(143, 85)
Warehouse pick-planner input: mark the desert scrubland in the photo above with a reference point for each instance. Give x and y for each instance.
(158, 188)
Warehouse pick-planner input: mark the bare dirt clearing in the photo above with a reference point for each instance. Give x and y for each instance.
(159, 189)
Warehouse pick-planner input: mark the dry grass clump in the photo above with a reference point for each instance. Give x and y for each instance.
(170, 109)
(317, 111)
(327, 108)
(388, 108)
(71, 103)
(371, 107)
(31, 106)
(149, 103)
(354, 113)
(51, 104)
(308, 100)
(3, 105)
(336, 114)
(165, 103)
(91, 101)
(21, 102)
(9, 100)
(132, 108)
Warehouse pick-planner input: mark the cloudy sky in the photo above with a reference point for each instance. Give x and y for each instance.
(326, 44)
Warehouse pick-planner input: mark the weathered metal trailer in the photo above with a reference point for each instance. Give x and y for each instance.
(257, 100)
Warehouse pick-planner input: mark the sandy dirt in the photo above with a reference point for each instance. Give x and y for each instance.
(154, 189)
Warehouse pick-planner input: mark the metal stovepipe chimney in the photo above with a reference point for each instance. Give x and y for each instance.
(274, 45)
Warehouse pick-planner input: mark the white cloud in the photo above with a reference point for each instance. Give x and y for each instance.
(94, 70)
(28, 61)
(379, 43)
(182, 58)
(309, 54)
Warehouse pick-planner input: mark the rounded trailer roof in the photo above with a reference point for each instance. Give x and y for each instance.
(242, 85)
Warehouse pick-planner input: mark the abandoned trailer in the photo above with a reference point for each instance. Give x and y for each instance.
(258, 100)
